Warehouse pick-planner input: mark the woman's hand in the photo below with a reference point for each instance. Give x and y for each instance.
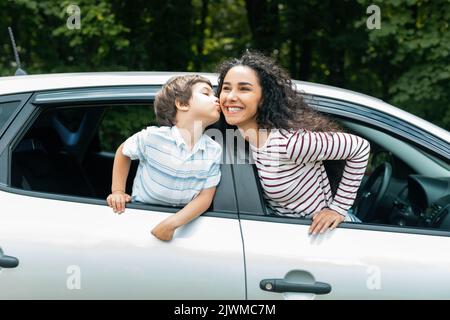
(324, 220)
(165, 229)
(117, 200)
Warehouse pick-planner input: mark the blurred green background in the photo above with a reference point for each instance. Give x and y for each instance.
(406, 62)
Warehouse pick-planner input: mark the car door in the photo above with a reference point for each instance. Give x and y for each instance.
(55, 246)
(74, 250)
(355, 261)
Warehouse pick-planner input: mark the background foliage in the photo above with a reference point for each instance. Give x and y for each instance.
(121, 122)
(406, 62)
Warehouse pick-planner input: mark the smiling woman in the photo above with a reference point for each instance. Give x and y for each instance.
(240, 99)
(256, 94)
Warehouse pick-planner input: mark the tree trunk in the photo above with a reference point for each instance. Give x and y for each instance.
(305, 60)
(201, 35)
(263, 19)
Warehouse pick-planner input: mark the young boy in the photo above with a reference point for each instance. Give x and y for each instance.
(179, 165)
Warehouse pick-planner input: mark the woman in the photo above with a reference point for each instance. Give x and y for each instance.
(289, 141)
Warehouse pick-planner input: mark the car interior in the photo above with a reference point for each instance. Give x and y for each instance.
(64, 152)
(406, 186)
(58, 156)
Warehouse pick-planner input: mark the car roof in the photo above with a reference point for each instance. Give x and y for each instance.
(55, 81)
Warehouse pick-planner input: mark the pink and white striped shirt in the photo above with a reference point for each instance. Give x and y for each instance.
(293, 176)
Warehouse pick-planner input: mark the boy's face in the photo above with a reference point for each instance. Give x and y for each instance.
(204, 105)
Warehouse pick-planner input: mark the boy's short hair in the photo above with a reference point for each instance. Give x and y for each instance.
(176, 88)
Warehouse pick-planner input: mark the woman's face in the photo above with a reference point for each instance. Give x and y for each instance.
(240, 96)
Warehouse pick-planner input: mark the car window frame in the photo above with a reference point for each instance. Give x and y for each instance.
(258, 214)
(225, 204)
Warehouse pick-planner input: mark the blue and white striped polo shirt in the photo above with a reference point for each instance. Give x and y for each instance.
(169, 173)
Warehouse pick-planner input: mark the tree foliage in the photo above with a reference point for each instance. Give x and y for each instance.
(406, 62)
(413, 45)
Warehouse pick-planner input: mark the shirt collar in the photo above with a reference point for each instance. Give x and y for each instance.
(200, 145)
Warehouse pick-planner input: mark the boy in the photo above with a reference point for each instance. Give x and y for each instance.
(179, 165)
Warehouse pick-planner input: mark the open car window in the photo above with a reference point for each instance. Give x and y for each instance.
(71, 150)
(416, 193)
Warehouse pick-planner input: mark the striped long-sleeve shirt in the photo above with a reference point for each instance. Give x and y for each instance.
(293, 176)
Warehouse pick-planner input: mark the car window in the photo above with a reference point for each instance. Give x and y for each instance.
(419, 160)
(120, 122)
(70, 151)
(6, 110)
(63, 152)
(71, 118)
(417, 194)
(439, 162)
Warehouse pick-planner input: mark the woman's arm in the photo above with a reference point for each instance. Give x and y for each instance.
(306, 146)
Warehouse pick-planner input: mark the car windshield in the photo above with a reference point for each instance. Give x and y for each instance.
(437, 160)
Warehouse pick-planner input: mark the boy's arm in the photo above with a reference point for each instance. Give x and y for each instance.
(166, 228)
(121, 168)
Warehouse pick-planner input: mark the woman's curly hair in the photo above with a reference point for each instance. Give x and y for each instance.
(281, 106)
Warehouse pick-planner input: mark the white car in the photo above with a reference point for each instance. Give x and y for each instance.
(60, 240)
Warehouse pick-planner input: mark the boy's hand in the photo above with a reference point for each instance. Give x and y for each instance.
(324, 220)
(117, 200)
(165, 229)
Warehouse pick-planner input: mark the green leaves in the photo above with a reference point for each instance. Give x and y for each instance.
(122, 122)
(406, 62)
(418, 38)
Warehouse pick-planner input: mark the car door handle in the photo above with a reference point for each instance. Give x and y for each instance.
(8, 262)
(280, 285)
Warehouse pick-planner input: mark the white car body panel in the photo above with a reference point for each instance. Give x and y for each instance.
(56, 81)
(116, 256)
(358, 264)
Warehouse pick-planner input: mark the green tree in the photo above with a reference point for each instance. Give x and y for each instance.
(406, 62)
(411, 54)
